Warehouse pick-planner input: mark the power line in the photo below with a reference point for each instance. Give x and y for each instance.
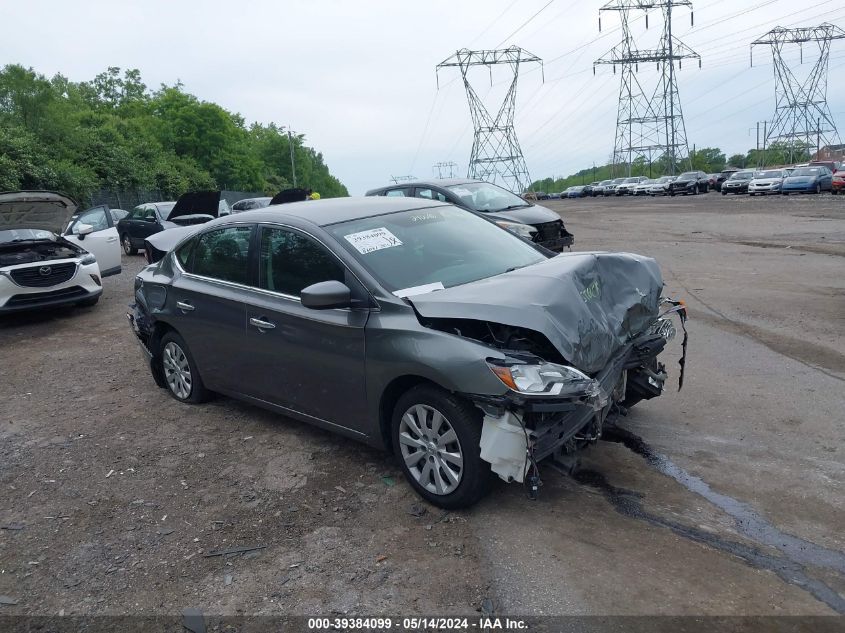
(524, 24)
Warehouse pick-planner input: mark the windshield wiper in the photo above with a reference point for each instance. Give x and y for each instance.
(512, 206)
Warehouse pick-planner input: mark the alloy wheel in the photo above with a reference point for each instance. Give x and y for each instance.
(127, 245)
(431, 449)
(177, 370)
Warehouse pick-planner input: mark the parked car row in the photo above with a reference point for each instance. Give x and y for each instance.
(813, 177)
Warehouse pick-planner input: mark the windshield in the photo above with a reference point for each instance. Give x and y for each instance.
(11, 236)
(482, 196)
(689, 175)
(807, 171)
(663, 179)
(435, 248)
(605, 182)
(770, 174)
(742, 175)
(164, 209)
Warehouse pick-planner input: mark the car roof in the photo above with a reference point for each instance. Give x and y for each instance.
(334, 210)
(434, 182)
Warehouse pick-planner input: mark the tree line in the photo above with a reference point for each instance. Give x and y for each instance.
(708, 159)
(114, 133)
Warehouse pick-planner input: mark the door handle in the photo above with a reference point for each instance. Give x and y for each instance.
(184, 306)
(261, 324)
(111, 239)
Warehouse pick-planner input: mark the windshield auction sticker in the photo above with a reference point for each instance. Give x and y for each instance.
(373, 240)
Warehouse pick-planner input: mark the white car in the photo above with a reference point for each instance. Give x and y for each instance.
(660, 187)
(642, 188)
(626, 187)
(767, 181)
(39, 266)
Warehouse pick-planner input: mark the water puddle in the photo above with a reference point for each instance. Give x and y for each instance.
(796, 551)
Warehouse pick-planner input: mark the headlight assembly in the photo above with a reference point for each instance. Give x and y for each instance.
(523, 230)
(541, 378)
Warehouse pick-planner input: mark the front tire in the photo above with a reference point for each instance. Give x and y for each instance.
(127, 245)
(180, 371)
(436, 438)
(818, 188)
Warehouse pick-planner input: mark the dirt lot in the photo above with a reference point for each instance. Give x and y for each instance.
(726, 498)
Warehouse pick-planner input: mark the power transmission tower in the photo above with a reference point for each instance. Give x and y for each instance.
(448, 168)
(802, 118)
(397, 179)
(649, 123)
(496, 155)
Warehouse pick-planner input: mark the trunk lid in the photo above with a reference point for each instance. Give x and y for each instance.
(588, 305)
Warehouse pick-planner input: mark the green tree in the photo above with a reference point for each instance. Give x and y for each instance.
(112, 132)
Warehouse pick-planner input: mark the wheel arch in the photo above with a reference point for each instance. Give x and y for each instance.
(159, 330)
(390, 396)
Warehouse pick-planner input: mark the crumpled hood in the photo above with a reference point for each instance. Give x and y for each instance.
(587, 304)
(43, 210)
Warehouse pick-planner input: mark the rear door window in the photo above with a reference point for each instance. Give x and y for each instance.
(398, 193)
(430, 194)
(222, 254)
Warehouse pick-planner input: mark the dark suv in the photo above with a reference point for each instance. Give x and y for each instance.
(528, 220)
(723, 176)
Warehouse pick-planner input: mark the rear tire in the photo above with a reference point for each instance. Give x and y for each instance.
(127, 245)
(436, 438)
(180, 371)
(818, 188)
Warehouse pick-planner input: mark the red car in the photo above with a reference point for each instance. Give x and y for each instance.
(838, 182)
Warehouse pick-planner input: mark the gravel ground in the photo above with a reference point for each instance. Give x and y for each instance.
(726, 498)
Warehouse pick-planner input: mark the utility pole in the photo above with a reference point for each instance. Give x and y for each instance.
(496, 155)
(292, 164)
(648, 121)
(801, 110)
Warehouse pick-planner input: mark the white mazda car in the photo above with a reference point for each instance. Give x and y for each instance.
(51, 256)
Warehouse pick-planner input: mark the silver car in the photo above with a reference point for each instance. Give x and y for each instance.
(411, 325)
(768, 181)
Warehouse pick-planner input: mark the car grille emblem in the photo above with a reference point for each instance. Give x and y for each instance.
(45, 270)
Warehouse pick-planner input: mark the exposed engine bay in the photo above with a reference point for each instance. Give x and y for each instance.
(12, 254)
(499, 336)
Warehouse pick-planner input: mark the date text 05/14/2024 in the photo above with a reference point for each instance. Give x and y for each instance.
(417, 623)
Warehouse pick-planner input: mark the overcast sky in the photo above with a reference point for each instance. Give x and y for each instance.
(357, 77)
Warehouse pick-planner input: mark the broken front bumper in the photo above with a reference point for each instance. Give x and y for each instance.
(520, 430)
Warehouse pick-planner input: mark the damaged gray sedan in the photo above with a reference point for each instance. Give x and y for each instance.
(410, 325)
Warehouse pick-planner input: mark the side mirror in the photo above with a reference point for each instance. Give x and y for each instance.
(150, 218)
(326, 295)
(83, 229)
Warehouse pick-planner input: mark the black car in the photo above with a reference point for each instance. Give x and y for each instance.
(195, 207)
(528, 220)
(690, 182)
(737, 183)
(411, 325)
(723, 176)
